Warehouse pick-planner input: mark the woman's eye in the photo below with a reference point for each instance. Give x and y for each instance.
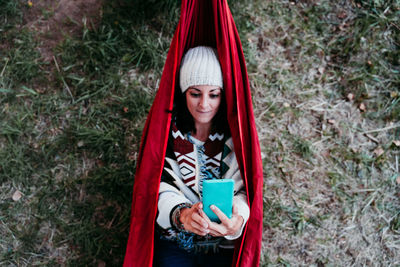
(214, 96)
(194, 95)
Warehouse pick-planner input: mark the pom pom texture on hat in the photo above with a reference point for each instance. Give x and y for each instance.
(200, 66)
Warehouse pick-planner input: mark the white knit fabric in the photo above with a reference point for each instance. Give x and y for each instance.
(200, 66)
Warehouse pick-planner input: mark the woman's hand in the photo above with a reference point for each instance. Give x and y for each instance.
(227, 226)
(192, 220)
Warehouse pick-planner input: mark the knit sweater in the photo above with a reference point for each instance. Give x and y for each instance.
(181, 181)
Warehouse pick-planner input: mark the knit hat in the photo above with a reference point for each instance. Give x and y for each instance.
(200, 66)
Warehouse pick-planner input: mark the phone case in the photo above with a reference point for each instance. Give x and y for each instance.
(218, 192)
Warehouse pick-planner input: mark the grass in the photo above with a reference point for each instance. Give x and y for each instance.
(70, 129)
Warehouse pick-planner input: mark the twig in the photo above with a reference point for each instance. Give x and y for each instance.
(382, 129)
(62, 78)
(372, 138)
(4, 68)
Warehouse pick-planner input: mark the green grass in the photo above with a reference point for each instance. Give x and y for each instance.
(70, 129)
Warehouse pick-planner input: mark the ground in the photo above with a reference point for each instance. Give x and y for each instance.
(52, 21)
(77, 79)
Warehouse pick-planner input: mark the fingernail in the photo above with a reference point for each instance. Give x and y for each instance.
(212, 207)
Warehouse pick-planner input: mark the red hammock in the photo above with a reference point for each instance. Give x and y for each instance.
(210, 23)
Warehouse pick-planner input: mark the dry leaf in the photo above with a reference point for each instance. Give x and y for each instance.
(321, 70)
(272, 115)
(396, 143)
(342, 15)
(331, 121)
(80, 144)
(286, 105)
(350, 97)
(378, 151)
(394, 94)
(326, 153)
(398, 179)
(362, 107)
(263, 155)
(355, 150)
(17, 195)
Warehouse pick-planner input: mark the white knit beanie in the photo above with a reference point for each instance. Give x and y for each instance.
(200, 66)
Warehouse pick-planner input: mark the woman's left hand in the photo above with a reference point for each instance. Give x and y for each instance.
(227, 226)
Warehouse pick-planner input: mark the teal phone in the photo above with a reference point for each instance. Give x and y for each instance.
(218, 192)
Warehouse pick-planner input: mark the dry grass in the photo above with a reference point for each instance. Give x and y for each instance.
(330, 197)
(325, 81)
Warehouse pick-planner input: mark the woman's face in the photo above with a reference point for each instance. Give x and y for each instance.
(203, 102)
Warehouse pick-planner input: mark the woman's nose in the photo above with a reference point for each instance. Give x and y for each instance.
(204, 101)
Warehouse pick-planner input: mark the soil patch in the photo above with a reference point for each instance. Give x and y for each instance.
(54, 20)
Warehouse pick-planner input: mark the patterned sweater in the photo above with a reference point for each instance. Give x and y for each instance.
(188, 162)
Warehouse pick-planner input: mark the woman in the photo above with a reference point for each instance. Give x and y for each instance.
(201, 23)
(199, 148)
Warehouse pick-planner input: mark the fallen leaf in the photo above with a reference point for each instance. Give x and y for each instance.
(379, 151)
(17, 195)
(350, 97)
(342, 15)
(362, 107)
(398, 179)
(343, 26)
(396, 143)
(272, 115)
(326, 153)
(331, 121)
(354, 150)
(286, 105)
(394, 94)
(263, 155)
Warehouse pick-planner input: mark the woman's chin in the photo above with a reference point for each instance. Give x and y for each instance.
(203, 121)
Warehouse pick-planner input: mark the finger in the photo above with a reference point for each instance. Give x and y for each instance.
(215, 233)
(198, 229)
(204, 216)
(199, 219)
(220, 229)
(197, 206)
(235, 210)
(222, 217)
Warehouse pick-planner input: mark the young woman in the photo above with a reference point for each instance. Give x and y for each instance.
(186, 140)
(199, 148)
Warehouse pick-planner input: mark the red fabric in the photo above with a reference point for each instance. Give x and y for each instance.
(201, 23)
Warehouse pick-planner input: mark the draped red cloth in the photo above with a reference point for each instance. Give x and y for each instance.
(210, 23)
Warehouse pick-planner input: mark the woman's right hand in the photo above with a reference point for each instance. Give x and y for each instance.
(192, 220)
